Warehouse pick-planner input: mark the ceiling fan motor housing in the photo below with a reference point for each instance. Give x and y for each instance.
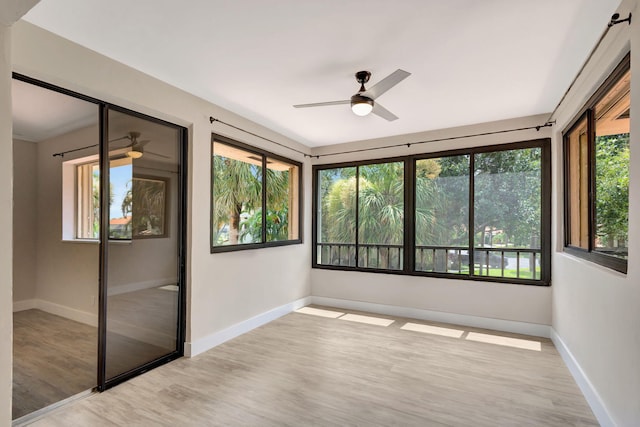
(363, 76)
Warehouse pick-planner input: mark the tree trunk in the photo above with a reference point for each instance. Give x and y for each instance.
(234, 226)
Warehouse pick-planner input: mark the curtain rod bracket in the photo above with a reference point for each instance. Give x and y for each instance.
(615, 20)
(546, 125)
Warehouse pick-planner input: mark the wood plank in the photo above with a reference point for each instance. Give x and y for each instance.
(311, 370)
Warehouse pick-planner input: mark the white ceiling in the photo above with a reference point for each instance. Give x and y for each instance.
(471, 61)
(40, 114)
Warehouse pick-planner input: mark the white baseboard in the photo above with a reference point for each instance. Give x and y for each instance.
(57, 309)
(25, 304)
(68, 312)
(524, 328)
(196, 347)
(588, 390)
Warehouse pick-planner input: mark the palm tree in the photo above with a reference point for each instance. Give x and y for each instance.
(237, 201)
(145, 201)
(237, 189)
(380, 200)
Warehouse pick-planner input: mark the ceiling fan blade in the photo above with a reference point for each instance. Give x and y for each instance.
(140, 144)
(385, 84)
(119, 139)
(383, 112)
(323, 104)
(156, 154)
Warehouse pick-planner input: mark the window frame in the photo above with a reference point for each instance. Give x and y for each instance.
(409, 211)
(587, 113)
(264, 154)
(77, 190)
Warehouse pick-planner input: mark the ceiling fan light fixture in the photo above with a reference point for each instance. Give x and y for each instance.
(361, 105)
(134, 154)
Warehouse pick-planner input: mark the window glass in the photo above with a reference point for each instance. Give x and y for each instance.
(475, 213)
(507, 213)
(255, 197)
(120, 200)
(282, 201)
(381, 216)
(612, 170)
(442, 214)
(336, 217)
(237, 196)
(88, 200)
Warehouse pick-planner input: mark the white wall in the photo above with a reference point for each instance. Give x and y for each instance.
(528, 304)
(596, 311)
(67, 273)
(25, 173)
(6, 214)
(223, 289)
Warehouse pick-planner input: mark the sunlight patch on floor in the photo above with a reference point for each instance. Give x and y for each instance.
(506, 341)
(434, 330)
(378, 321)
(319, 312)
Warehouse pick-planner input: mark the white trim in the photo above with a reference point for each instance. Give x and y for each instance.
(588, 390)
(85, 317)
(25, 304)
(57, 309)
(194, 348)
(533, 329)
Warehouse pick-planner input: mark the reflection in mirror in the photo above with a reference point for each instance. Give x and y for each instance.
(143, 270)
(55, 282)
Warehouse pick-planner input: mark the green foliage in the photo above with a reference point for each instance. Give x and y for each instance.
(237, 190)
(237, 202)
(507, 201)
(381, 204)
(442, 200)
(612, 188)
(145, 202)
(508, 196)
(277, 227)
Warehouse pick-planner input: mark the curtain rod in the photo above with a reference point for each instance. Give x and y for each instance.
(62, 153)
(451, 138)
(212, 120)
(614, 21)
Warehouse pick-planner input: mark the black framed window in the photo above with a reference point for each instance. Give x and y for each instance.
(596, 174)
(255, 198)
(481, 213)
(361, 216)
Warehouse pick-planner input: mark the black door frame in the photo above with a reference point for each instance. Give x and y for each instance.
(104, 107)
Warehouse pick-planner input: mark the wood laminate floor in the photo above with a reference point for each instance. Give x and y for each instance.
(53, 358)
(56, 358)
(304, 370)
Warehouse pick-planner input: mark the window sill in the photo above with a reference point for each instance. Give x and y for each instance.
(609, 263)
(250, 246)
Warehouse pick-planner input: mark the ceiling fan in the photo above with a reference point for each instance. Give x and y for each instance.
(136, 147)
(363, 102)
